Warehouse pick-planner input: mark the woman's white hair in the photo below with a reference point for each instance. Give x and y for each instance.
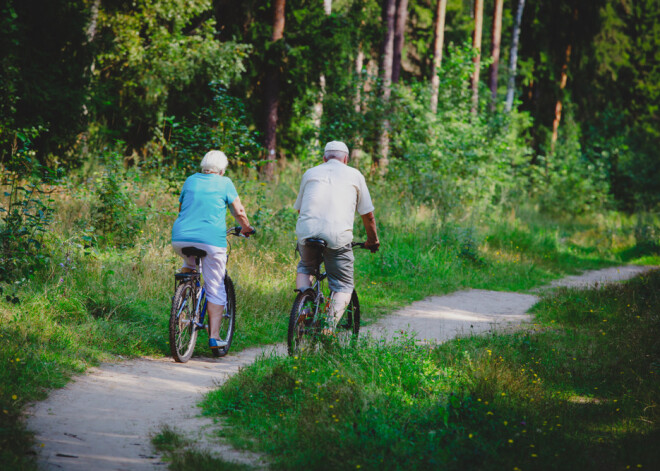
(214, 161)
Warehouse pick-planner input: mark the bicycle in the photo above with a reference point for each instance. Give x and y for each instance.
(189, 308)
(308, 314)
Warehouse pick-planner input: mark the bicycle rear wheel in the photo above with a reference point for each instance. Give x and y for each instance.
(183, 331)
(350, 321)
(228, 320)
(301, 332)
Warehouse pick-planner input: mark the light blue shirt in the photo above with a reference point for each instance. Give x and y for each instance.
(204, 200)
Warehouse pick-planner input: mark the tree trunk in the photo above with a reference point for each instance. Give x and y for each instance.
(476, 44)
(356, 151)
(272, 93)
(513, 57)
(438, 44)
(562, 84)
(558, 105)
(495, 54)
(386, 69)
(318, 107)
(399, 38)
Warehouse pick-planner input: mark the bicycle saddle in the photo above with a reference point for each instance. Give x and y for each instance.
(193, 252)
(316, 242)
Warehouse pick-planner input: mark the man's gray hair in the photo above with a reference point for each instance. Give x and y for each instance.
(334, 154)
(214, 161)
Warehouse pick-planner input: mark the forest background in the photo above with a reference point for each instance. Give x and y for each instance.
(505, 143)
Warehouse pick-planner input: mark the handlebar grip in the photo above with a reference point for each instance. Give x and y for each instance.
(238, 229)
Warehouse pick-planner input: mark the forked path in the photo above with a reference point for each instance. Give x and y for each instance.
(104, 419)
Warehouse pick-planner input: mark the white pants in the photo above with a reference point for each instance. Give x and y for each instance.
(214, 267)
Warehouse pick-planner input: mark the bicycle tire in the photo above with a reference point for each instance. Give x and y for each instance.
(301, 322)
(350, 321)
(183, 331)
(228, 322)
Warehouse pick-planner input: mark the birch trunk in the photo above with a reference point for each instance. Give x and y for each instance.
(476, 44)
(513, 57)
(438, 44)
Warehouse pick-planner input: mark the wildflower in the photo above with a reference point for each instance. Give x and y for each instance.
(14, 397)
(510, 440)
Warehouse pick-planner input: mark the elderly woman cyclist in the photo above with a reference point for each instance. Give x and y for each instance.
(201, 223)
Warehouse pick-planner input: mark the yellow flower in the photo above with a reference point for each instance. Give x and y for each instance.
(14, 397)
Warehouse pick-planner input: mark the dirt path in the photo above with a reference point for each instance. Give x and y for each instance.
(103, 420)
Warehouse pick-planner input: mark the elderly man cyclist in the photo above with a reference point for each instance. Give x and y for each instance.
(329, 196)
(203, 204)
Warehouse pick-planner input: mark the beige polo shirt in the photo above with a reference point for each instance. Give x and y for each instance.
(329, 195)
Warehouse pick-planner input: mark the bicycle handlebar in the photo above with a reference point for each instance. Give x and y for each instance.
(236, 231)
(362, 246)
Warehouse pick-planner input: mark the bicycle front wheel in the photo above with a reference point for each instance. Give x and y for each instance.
(183, 331)
(228, 320)
(350, 321)
(300, 337)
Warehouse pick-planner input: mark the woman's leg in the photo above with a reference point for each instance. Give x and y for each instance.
(215, 316)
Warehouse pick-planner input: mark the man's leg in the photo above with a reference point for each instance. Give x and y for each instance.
(339, 266)
(310, 259)
(303, 281)
(338, 304)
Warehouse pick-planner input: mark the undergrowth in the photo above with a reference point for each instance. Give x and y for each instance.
(577, 390)
(99, 296)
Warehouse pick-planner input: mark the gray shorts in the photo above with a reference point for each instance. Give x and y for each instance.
(338, 265)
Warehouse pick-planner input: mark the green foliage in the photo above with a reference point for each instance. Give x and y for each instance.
(223, 126)
(44, 75)
(453, 159)
(570, 180)
(152, 51)
(25, 217)
(115, 216)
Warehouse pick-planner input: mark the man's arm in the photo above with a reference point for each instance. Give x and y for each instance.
(238, 211)
(369, 222)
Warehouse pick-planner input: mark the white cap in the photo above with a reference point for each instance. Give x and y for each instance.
(336, 146)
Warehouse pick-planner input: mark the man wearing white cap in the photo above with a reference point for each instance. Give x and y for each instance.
(329, 196)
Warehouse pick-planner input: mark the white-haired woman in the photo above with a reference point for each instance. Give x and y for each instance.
(201, 223)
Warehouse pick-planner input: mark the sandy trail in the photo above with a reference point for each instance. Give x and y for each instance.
(103, 420)
(474, 311)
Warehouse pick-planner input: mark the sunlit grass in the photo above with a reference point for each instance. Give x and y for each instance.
(94, 302)
(577, 390)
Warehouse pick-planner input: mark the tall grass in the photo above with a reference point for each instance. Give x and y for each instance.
(97, 301)
(577, 391)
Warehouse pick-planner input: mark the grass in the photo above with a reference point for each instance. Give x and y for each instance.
(182, 456)
(101, 302)
(578, 390)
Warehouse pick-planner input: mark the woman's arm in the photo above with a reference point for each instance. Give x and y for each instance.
(238, 211)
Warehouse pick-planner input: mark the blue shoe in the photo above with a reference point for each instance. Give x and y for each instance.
(216, 343)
